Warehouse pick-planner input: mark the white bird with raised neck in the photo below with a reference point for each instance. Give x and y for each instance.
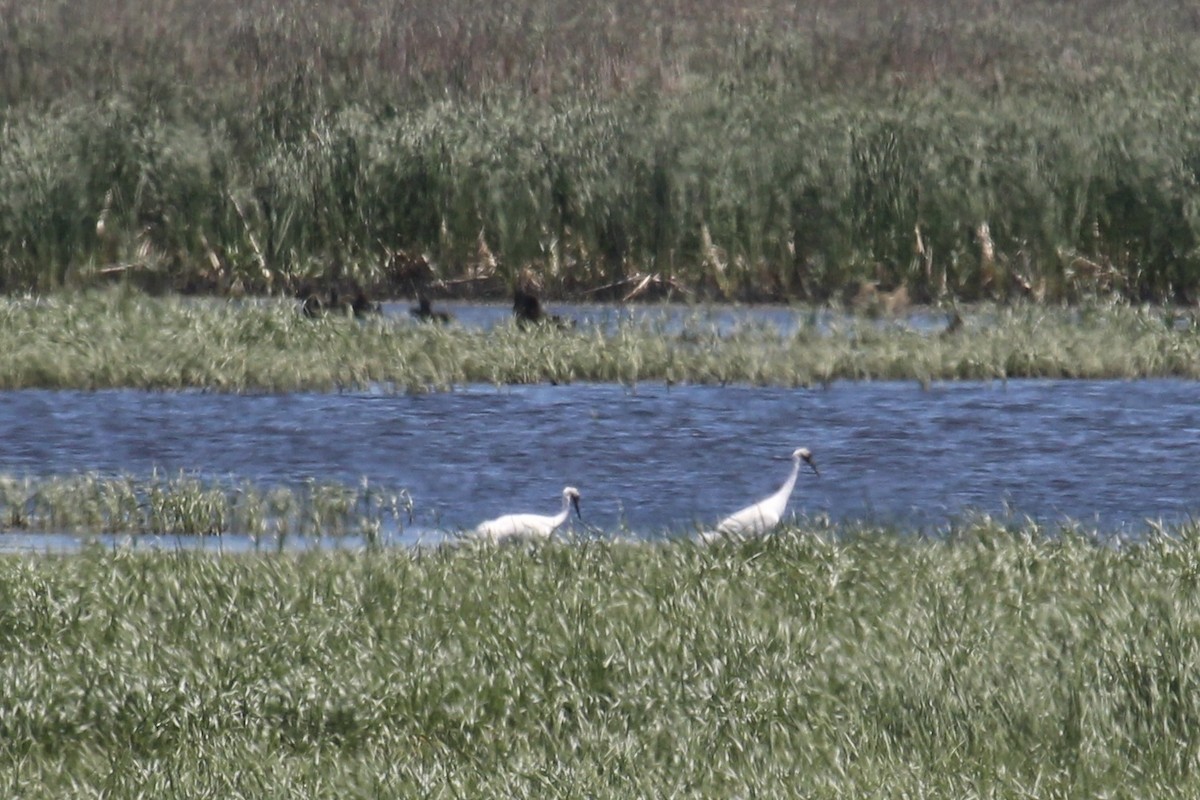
(765, 514)
(533, 526)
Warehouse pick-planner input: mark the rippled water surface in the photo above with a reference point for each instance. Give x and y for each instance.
(659, 459)
(676, 317)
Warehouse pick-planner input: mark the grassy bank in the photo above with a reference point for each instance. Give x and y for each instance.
(995, 663)
(767, 150)
(118, 339)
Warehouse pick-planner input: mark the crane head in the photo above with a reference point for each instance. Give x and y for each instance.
(805, 455)
(572, 494)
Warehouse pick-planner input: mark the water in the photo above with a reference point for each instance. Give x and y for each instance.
(672, 318)
(660, 460)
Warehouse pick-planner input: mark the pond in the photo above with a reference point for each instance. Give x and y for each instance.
(657, 459)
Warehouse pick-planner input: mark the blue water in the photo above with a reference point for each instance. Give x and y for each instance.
(655, 459)
(674, 318)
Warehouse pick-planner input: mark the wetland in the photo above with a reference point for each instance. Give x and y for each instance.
(224, 520)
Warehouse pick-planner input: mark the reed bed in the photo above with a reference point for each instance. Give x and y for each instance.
(122, 339)
(764, 150)
(999, 661)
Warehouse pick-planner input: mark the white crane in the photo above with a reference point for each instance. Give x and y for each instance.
(529, 525)
(765, 514)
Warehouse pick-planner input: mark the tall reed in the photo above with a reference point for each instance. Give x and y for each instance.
(759, 151)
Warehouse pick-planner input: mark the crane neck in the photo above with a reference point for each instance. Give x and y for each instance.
(563, 515)
(785, 491)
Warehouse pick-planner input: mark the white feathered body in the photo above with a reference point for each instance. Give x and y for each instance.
(532, 526)
(764, 515)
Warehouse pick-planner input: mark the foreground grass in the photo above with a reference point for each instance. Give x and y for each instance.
(993, 663)
(117, 339)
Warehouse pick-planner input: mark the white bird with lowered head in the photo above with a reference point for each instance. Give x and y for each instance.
(533, 526)
(765, 514)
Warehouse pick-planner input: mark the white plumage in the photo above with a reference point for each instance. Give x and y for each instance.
(765, 514)
(530, 525)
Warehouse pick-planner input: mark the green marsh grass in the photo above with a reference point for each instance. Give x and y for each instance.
(1000, 661)
(186, 505)
(769, 149)
(120, 339)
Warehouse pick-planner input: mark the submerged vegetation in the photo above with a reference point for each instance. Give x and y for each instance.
(763, 149)
(120, 339)
(1006, 662)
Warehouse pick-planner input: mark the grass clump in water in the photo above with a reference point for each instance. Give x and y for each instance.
(998, 661)
(188, 505)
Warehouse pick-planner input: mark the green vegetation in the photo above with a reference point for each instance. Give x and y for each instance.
(121, 339)
(995, 663)
(190, 505)
(765, 149)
